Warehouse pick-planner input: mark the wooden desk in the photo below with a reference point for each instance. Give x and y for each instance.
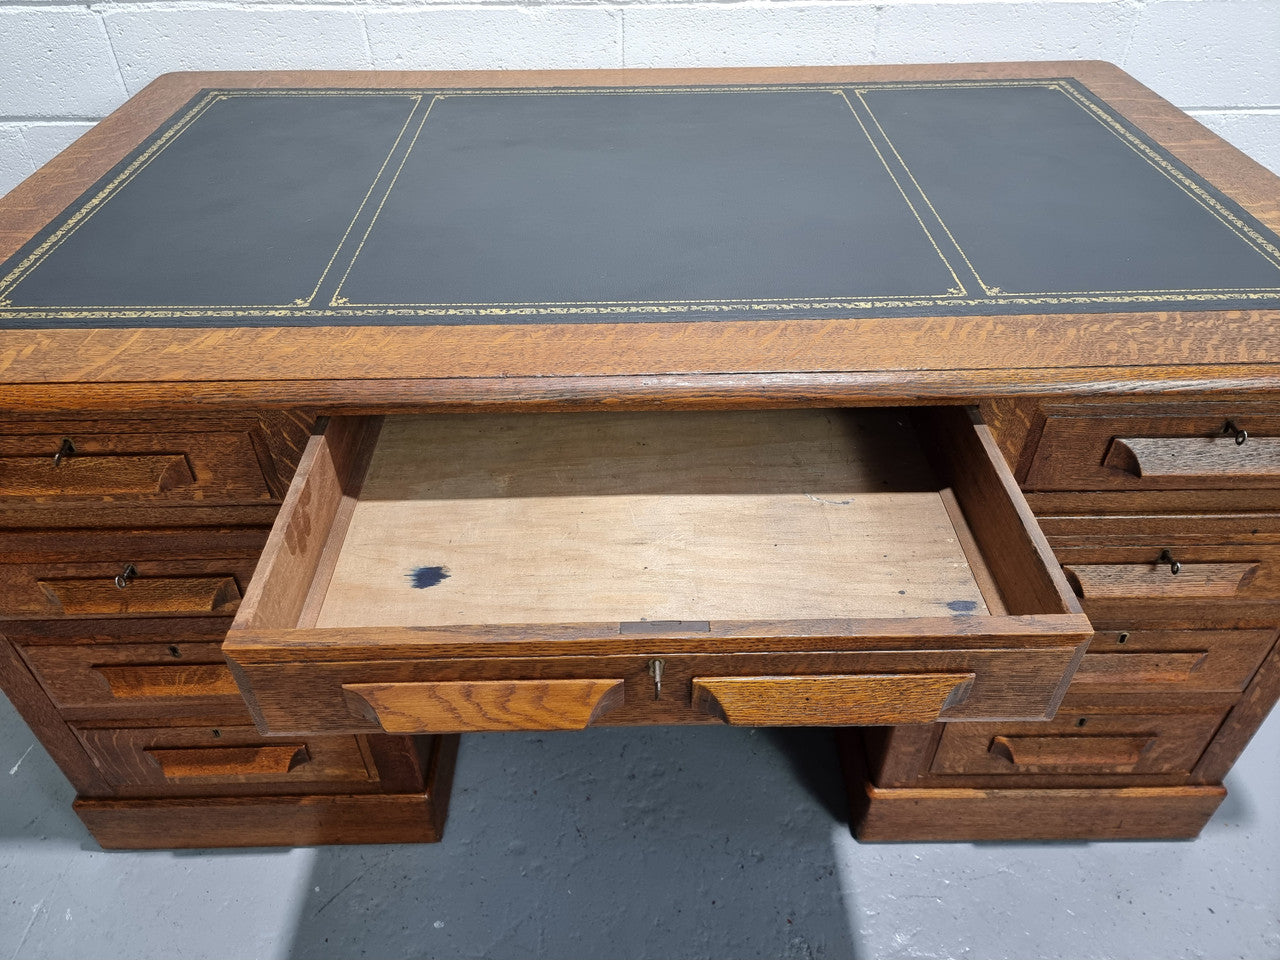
(249, 320)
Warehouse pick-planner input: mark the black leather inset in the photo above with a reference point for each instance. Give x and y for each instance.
(644, 197)
(575, 206)
(245, 206)
(1045, 197)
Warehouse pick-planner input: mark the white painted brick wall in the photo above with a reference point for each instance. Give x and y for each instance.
(493, 37)
(63, 65)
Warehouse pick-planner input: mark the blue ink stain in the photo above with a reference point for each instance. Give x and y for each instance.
(425, 577)
(962, 606)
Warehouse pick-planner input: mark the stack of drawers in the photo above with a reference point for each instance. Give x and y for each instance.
(127, 546)
(1166, 520)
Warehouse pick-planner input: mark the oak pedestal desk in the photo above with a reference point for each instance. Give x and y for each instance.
(342, 413)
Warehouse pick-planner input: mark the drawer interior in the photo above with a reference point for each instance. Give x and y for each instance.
(528, 543)
(634, 517)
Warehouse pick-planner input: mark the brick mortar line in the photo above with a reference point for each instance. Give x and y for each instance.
(45, 119)
(1265, 110)
(53, 120)
(106, 6)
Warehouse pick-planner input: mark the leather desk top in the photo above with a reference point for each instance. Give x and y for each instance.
(253, 228)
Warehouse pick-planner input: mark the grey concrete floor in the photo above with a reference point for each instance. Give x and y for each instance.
(666, 842)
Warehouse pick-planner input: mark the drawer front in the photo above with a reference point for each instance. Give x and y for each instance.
(1230, 585)
(1167, 661)
(1204, 446)
(158, 462)
(142, 588)
(668, 592)
(104, 681)
(1174, 529)
(661, 687)
(126, 545)
(1078, 743)
(232, 759)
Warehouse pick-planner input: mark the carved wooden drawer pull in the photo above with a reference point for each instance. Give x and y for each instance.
(1111, 581)
(106, 596)
(192, 763)
(137, 682)
(68, 473)
(476, 705)
(1087, 751)
(833, 700)
(1171, 458)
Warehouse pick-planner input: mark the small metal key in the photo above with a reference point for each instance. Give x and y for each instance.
(655, 671)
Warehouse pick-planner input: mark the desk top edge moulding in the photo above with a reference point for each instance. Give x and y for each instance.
(936, 403)
(1079, 232)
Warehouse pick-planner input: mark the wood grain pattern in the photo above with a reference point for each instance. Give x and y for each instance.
(696, 390)
(1141, 668)
(629, 517)
(1185, 446)
(1016, 425)
(1032, 753)
(892, 756)
(166, 669)
(834, 700)
(162, 588)
(904, 357)
(1114, 581)
(1017, 553)
(1105, 743)
(192, 459)
(462, 707)
(1128, 375)
(163, 681)
(93, 476)
(906, 815)
(295, 698)
(69, 551)
(102, 597)
(415, 813)
(1124, 657)
(35, 707)
(270, 761)
(1184, 458)
(962, 813)
(1173, 528)
(1191, 506)
(367, 635)
(1246, 716)
(73, 527)
(289, 821)
(225, 759)
(330, 469)
(1252, 603)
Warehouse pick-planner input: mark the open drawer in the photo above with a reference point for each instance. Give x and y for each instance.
(551, 571)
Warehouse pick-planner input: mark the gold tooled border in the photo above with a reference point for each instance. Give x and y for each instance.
(304, 307)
